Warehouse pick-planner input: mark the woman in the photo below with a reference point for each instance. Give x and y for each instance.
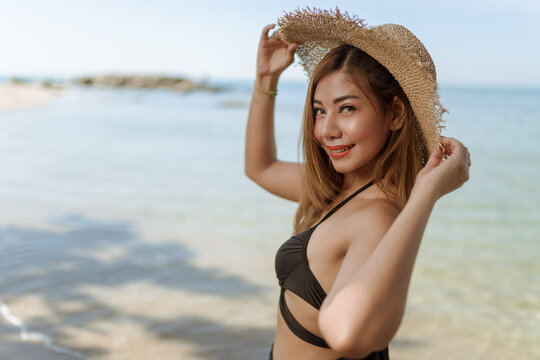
(375, 165)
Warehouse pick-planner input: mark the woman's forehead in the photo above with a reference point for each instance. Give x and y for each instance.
(338, 84)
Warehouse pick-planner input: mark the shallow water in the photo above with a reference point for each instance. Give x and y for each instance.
(128, 229)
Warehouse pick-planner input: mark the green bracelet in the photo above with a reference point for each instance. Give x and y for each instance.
(271, 94)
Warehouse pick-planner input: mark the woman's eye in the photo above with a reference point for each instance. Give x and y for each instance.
(319, 112)
(347, 108)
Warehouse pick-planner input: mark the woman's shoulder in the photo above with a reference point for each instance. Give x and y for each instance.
(377, 210)
(375, 203)
(372, 216)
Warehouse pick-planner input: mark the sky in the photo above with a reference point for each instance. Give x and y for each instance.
(473, 43)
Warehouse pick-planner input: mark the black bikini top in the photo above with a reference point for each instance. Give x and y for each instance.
(294, 274)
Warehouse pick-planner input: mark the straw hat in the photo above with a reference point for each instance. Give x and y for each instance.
(395, 47)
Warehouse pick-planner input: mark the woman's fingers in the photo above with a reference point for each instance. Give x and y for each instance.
(447, 167)
(449, 144)
(274, 54)
(292, 46)
(459, 151)
(266, 29)
(460, 156)
(453, 148)
(436, 157)
(467, 156)
(276, 35)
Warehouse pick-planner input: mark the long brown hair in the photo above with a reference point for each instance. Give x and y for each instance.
(399, 161)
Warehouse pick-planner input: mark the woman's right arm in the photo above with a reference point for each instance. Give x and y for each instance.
(261, 165)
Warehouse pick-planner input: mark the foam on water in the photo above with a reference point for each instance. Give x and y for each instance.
(26, 335)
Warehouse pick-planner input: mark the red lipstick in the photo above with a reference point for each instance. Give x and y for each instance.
(339, 151)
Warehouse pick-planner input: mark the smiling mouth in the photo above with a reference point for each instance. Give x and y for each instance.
(339, 151)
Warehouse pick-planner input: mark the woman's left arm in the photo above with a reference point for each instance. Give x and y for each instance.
(365, 306)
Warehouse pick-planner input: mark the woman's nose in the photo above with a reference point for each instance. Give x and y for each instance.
(330, 128)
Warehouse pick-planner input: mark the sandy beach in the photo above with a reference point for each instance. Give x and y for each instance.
(120, 242)
(15, 96)
(148, 290)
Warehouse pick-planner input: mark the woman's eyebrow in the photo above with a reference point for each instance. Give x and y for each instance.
(339, 99)
(345, 97)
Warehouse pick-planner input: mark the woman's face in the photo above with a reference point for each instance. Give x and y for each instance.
(348, 124)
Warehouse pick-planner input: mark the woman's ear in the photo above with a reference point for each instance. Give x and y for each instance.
(396, 114)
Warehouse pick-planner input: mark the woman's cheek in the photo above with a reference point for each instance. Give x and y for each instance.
(373, 133)
(359, 133)
(317, 131)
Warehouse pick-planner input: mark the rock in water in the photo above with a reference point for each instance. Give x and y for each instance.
(144, 82)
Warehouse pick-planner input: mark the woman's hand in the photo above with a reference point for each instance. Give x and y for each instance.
(274, 55)
(446, 170)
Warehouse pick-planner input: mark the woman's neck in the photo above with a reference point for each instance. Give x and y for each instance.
(358, 178)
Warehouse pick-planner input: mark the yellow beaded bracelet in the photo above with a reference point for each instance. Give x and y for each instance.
(271, 94)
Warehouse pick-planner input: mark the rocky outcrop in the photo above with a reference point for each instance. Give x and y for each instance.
(144, 82)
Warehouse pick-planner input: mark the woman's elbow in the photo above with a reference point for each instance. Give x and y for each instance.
(341, 334)
(248, 172)
(254, 170)
(356, 347)
(251, 172)
(353, 340)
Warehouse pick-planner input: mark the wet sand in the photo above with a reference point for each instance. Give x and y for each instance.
(132, 297)
(15, 96)
(140, 292)
(13, 348)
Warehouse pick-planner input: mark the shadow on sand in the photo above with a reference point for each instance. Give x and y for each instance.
(60, 266)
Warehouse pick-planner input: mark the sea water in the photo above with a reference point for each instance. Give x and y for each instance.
(118, 204)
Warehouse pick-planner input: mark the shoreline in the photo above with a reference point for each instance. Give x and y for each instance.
(15, 96)
(13, 347)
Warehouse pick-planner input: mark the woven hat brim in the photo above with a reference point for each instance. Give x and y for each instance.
(319, 31)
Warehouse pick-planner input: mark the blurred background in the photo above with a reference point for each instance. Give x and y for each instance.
(128, 229)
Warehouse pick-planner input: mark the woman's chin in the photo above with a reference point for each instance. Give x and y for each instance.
(346, 168)
(342, 169)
